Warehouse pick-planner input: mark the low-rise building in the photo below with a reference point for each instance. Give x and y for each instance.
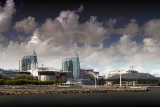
(10, 74)
(66, 76)
(131, 78)
(47, 75)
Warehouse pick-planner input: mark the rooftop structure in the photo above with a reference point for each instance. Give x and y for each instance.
(135, 76)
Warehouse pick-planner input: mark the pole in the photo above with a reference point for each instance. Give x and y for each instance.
(95, 80)
(120, 79)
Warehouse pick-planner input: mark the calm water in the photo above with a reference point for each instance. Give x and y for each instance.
(149, 98)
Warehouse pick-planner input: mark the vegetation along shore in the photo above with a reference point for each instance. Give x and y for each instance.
(70, 90)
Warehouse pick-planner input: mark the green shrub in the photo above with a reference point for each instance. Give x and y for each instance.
(1, 82)
(7, 82)
(26, 81)
(3, 76)
(57, 81)
(23, 76)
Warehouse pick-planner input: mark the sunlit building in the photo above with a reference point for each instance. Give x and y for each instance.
(28, 62)
(44, 75)
(72, 65)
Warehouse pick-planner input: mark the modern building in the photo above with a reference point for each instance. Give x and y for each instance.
(72, 65)
(88, 76)
(66, 76)
(112, 73)
(10, 73)
(45, 75)
(89, 73)
(28, 62)
(133, 76)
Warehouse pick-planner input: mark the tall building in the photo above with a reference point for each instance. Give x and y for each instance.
(72, 65)
(28, 62)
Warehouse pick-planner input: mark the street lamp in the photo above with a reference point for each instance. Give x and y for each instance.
(95, 78)
(136, 79)
(120, 78)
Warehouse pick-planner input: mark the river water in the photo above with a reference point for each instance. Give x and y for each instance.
(150, 98)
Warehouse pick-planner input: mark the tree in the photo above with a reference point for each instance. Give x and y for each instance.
(3, 76)
(23, 76)
(1, 81)
(56, 81)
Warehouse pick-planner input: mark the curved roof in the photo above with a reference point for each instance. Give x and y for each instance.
(134, 76)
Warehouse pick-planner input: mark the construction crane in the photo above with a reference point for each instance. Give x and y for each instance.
(132, 66)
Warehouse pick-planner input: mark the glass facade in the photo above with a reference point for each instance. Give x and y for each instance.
(72, 65)
(28, 63)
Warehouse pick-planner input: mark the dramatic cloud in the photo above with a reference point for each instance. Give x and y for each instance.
(151, 28)
(2, 38)
(26, 25)
(110, 23)
(131, 29)
(66, 29)
(61, 37)
(80, 9)
(6, 15)
(125, 46)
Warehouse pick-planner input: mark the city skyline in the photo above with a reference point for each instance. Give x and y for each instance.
(108, 35)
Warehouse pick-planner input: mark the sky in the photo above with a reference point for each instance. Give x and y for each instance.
(107, 35)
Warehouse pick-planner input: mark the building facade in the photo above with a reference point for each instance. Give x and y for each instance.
(28, 62)
(72, 65)
(45, 75)
(131, 78)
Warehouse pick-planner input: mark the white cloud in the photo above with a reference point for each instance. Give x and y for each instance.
(26, 25)
(6, 15)
(151, 45)
(66, 29)
(57, 39)
(80, 9)
(134, 52)
(110, 23)
(156, 72)
(151, 28)
(126, 46)
(131, 29)
(2, 38)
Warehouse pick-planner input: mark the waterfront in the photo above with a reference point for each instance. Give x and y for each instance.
(149, 98)
(49, 89)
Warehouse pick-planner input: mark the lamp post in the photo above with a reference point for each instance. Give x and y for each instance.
(136, 80)
(95, 79)
(120, 79)
(120, 83)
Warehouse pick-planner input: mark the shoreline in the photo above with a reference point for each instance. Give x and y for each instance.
(70, 90)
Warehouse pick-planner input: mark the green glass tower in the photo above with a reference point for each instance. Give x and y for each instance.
(72, 65)
(28, 62)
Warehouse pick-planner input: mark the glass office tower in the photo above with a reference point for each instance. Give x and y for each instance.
(72, 65)
(28, 62)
